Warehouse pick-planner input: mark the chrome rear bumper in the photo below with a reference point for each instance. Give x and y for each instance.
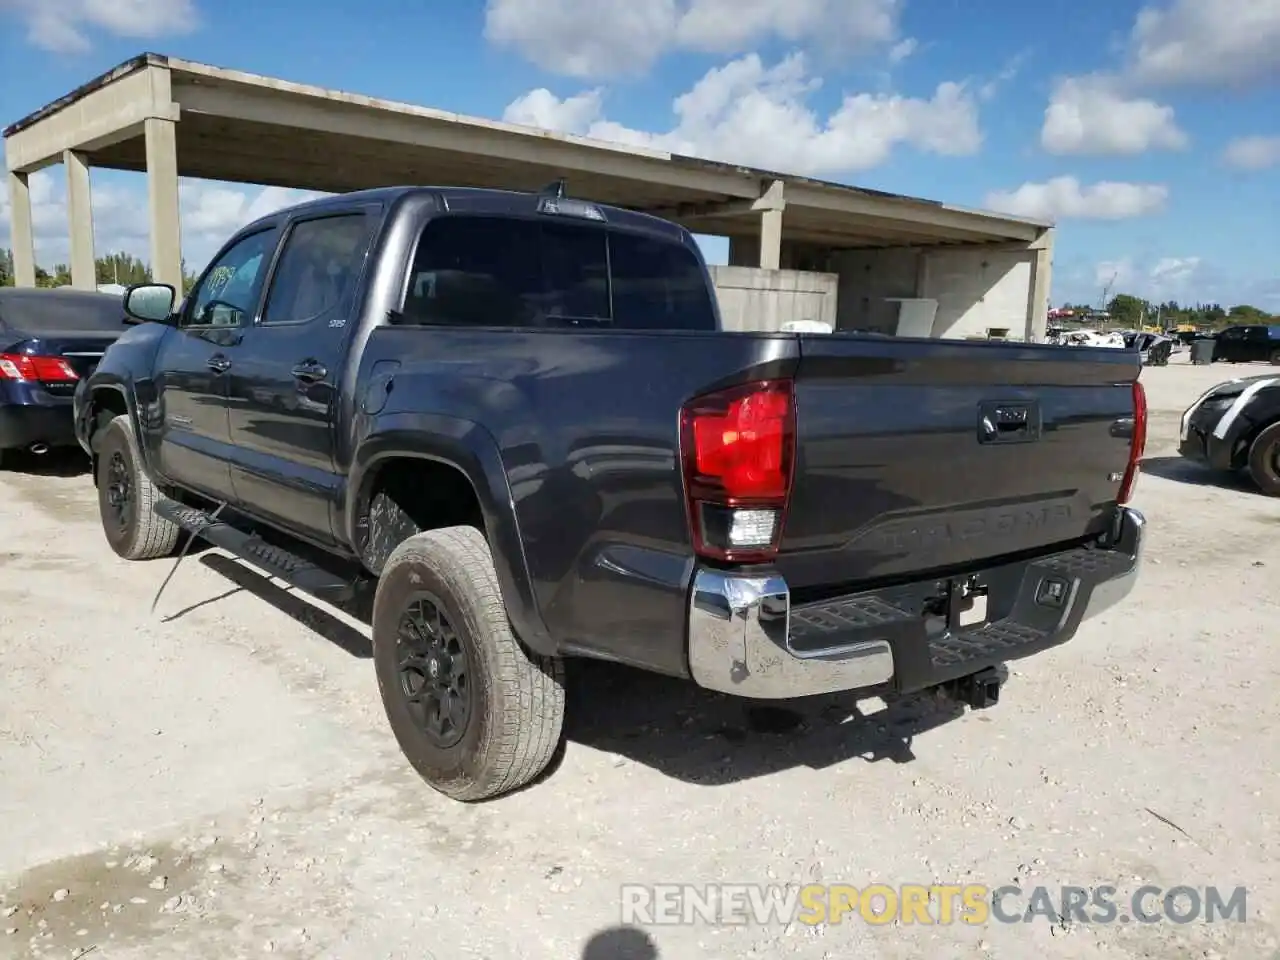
(741, 631)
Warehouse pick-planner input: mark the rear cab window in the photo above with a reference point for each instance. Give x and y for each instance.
(477, 270)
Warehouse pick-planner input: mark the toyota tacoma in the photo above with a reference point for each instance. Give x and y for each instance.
(515, 421)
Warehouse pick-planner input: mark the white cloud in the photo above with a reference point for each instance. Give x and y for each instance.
(1184, 279)
(1064, 198)
(1215, 43)
(589, 38)
(63, 25)
(748, 113)
(903, 49)
(1007, 74)
(1253, 153)
(1210, 44)
(210, 213)
(1174, 270)
(1088, 115)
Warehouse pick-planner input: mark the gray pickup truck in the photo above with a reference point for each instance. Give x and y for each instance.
(516, 417)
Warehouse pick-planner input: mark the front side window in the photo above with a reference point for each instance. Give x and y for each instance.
(228, 293)
(318, 269)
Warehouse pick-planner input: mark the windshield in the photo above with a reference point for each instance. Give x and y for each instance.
(55, 311)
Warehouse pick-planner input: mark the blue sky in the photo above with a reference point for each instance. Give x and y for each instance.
(1149, 134)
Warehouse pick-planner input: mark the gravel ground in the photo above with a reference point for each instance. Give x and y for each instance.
(216, 779)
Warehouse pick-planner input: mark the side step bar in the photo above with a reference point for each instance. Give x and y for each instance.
(270, 559)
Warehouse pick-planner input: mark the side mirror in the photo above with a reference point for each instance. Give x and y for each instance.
(150, 302)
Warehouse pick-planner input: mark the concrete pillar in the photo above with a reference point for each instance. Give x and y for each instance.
(80, 220)
(21, 239)
(1041, 283)
(162, 192)
(771, 240)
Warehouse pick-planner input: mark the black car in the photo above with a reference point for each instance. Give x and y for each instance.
(49, 340)
(1248, 344)
(1236, 426)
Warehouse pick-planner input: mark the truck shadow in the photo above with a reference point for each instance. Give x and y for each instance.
(667, 724)
(59, 462)
(1181, 470)
(697, 736)
(291, 603)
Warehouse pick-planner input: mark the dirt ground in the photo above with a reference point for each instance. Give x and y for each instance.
(216, 779)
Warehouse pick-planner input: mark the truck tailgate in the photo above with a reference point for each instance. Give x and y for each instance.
(916, 455)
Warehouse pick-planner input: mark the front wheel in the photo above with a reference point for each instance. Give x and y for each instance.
(127, 497)
(1264, 460)
(475, 712)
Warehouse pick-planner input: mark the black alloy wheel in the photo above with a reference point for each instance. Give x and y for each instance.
(120, 491)
(434, 674)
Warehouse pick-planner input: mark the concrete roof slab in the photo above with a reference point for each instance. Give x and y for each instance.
(250, 128)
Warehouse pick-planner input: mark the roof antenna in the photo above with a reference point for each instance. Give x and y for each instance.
(556, 189)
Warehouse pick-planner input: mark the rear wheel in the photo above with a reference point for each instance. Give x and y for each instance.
(1264, 460)
(1275, 357)
(476, 713)
(127, 497)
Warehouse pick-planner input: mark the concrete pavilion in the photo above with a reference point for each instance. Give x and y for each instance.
(865, 250)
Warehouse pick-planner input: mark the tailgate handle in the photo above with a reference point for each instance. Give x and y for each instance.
(1016, 421)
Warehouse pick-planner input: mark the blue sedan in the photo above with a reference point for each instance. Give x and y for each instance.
(49, 340)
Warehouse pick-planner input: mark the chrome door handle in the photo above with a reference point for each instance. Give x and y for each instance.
(219, 363)
(310, 372)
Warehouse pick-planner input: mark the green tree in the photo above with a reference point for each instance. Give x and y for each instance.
(188, 279)
(1127, 310)
(1245, 313)
(122, 268)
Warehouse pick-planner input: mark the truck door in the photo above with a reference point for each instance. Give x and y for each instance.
(1258, 344)
(1229, 345)
(193, 438)
(284, 388)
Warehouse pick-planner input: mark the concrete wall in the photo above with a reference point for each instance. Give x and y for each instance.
(754, 299)
(867, 277)
(978, 291)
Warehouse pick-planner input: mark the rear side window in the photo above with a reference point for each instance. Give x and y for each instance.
(492, 271)
(318, 269)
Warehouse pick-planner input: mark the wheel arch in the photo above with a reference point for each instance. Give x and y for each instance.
(1260, 412)
(446, 448)
(104, 402)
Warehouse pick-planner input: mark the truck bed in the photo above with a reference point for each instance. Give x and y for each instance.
(893, 476)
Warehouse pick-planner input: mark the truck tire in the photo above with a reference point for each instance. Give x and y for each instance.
(1264, 460)
(127, 497)
(474, 711)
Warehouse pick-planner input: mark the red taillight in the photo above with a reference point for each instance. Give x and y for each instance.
(738, 446)
(23, 366)
(1137, 443)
